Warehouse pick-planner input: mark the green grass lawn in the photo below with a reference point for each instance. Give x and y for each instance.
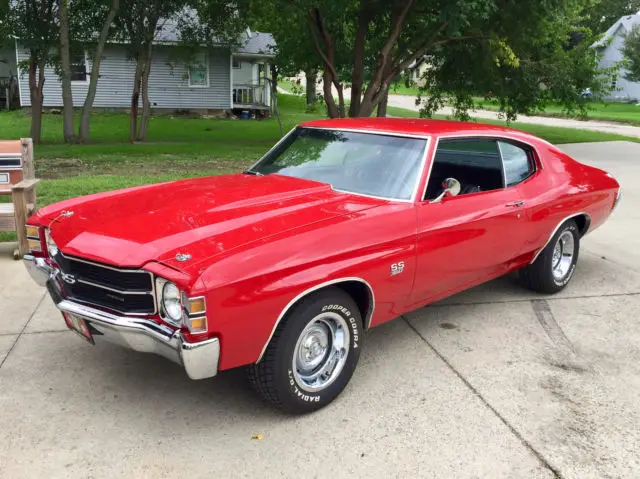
(552, 134)
(177, 147)
(402, 89)
(609, 111)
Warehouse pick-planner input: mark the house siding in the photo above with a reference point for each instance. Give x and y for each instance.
(245, 75)
(625, 89)
(168, 82)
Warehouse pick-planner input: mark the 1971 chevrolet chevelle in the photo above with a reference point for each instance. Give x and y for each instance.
(341, 226)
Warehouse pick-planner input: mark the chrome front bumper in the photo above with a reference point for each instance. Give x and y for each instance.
(200, 360)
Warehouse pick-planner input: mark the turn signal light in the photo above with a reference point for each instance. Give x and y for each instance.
(33, 231)
(197, 325)
(34, 244)
(196, 306)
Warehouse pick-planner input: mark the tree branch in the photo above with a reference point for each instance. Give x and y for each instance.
(316, 23)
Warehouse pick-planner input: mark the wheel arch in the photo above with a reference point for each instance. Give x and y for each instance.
(357, 288)
(583, 221)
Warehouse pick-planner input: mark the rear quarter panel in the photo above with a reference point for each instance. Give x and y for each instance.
(564, 187)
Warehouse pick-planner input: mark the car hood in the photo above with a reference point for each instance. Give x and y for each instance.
(199, 217)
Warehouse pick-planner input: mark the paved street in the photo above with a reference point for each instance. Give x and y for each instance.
(409, 102)
(495, 382)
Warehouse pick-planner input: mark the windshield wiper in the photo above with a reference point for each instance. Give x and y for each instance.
(251, 172)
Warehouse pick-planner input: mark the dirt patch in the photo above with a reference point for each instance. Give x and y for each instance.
(56, 168)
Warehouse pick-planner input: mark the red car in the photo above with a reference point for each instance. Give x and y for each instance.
(341, 226)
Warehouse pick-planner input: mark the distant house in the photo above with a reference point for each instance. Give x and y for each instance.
(610, 46)
(215, 78)
(416, 70)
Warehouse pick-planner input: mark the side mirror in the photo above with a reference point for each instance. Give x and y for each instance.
(451, 188)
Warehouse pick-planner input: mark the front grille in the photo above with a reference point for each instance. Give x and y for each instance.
(128, 291)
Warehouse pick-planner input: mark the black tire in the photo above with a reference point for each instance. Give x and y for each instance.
(539, 276)
(273, 376)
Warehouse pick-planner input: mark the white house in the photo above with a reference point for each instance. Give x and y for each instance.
(610, 46)
(215, 78)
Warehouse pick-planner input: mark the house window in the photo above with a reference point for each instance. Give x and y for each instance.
(79, 67)
(199, 71)
(236, 64)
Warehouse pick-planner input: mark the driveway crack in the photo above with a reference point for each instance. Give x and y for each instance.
(23, 328)
(556, 473)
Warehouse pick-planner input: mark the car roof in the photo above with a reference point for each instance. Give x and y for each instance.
(422, 127)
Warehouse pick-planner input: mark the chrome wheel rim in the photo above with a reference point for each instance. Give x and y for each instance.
(321, 352)
(562, 257)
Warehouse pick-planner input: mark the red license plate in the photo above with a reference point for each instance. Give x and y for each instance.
(78, 325)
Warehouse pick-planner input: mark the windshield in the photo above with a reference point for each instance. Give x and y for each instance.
(364, 163)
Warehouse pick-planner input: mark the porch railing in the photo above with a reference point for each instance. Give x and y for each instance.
(250, 95)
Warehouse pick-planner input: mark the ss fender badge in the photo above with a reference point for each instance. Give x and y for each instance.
(397, 268)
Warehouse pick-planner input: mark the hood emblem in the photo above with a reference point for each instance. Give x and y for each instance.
(66, 214)
(182, 257)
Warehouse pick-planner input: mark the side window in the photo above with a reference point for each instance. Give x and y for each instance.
(475, 163)
(518, 163)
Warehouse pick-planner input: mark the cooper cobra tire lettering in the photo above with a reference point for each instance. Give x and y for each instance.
(275, 378)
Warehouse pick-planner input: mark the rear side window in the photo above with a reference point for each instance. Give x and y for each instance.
(518, 163)
(475, 163)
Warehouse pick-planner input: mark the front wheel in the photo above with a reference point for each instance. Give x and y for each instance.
(554, 267)
(312, 354)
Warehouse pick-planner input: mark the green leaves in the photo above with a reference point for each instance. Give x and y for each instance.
(631, 51)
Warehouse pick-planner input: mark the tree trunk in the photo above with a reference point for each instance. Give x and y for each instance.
(357, 74)
(332, 108)
(96, 61)
(68, 127)
(146, 104)
(382, 105)
(311, 75)
(135, 99)
(379, 84)
(35, 93)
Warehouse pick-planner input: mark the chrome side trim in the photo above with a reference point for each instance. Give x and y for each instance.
(367, 320)
(555, 230)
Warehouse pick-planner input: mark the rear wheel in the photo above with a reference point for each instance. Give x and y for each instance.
(554, 267)
(312, 354)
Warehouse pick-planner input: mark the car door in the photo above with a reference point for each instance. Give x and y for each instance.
(472, 237)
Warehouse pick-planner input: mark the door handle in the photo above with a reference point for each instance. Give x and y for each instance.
(515, 204)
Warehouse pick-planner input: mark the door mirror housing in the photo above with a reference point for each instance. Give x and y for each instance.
(451, 188)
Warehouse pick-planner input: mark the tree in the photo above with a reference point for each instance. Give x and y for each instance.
(295, 51)
(368, 45)
(604, 13)
(68, 129)
(631, 51)
(139, 23)
(34, 22)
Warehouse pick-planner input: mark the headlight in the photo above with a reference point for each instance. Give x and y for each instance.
(171, 303)
(52, 247)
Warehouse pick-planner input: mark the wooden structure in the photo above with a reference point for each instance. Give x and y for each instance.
(17, 179)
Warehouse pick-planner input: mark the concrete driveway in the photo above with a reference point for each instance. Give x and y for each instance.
(494, 382)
